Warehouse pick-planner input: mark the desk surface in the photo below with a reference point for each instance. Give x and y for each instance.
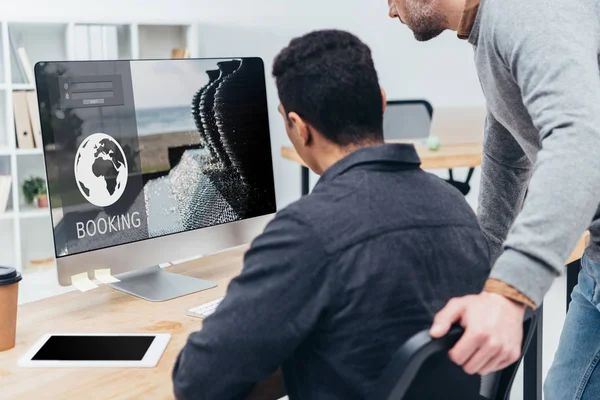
(580, 248)
(105, 310)
(447, 157)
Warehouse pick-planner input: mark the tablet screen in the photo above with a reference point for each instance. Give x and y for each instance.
(94, 348)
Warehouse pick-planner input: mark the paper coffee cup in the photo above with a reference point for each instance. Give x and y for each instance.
(9, 294)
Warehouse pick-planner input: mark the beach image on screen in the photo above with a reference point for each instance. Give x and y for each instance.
(200, 142)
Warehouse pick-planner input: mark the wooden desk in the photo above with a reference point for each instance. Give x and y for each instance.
(580, 248)
(447, 157)
(105, 310)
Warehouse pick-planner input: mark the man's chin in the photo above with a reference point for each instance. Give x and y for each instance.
(427, 35)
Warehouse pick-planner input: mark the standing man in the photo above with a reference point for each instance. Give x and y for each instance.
(537, 62)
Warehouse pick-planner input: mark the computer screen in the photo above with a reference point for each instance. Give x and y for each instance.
(141, 149)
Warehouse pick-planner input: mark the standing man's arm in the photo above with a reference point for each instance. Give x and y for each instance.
(556, 68)
(554, 61)
(505, 173)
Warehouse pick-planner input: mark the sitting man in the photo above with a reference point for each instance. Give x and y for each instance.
(344, 276)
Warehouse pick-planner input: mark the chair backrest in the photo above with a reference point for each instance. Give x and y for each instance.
(407, 363)
(407, 120)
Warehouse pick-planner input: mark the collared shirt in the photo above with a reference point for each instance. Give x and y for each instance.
(338, 281)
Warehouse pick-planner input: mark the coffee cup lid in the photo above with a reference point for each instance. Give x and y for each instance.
(8, 276)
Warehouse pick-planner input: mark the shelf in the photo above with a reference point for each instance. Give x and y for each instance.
(26, 232)
(7, 215)
(41, 274)
(29, 152)
(34, 213)
(157, 41)
(23, 86)
(39, 284)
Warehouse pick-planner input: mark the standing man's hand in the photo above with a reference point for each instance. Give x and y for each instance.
(493, 331)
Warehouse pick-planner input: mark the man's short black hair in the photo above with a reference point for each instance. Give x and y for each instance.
(329, 79)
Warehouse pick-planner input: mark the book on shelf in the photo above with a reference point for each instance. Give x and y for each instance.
(17, 65)
(96, 42)
(180, 53)
(22, 121)
(5, 184)
(110, 42)
(41, 263)
(81, 42)
(96, 47)
(26, 64)
(34, 118)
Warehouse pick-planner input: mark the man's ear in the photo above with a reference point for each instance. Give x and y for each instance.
(300, 129)
(383, 98)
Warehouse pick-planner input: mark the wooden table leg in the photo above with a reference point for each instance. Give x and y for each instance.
(532, 364)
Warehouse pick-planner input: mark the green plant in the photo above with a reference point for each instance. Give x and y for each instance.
(33, 188)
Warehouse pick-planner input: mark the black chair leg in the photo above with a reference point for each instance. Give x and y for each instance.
(532, 364)
(463, 187)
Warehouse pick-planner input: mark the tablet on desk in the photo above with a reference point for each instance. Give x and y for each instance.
(96, 350)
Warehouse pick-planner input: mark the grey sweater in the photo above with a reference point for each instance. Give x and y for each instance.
(537, 61)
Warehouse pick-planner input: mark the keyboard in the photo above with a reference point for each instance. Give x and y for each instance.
(204, 310)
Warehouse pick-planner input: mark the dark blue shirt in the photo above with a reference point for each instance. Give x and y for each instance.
(338, 281)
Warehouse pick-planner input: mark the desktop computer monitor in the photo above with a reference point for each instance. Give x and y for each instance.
(153, 161)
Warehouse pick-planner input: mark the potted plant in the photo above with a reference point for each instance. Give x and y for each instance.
(35, 189)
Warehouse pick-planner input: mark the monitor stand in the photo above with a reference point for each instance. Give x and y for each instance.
(154, 284)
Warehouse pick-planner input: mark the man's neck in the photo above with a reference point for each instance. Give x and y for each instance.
(454, 10)
(336, 153)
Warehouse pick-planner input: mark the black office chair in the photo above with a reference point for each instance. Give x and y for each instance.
(463, 187)
(411, 119)
(406, 365)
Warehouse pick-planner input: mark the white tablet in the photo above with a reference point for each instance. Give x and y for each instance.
(96, 350)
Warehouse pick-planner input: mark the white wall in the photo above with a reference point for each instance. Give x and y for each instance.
(147, 10)
(440, 71)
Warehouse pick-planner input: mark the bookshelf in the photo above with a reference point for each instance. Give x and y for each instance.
(25, 230)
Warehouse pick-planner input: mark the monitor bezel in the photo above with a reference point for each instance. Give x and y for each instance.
(253, 222)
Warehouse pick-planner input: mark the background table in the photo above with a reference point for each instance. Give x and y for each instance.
(447, 157)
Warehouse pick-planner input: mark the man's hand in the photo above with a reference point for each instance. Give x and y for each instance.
(493, 331)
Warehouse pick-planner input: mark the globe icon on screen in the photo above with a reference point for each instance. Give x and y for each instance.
(101, 170)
